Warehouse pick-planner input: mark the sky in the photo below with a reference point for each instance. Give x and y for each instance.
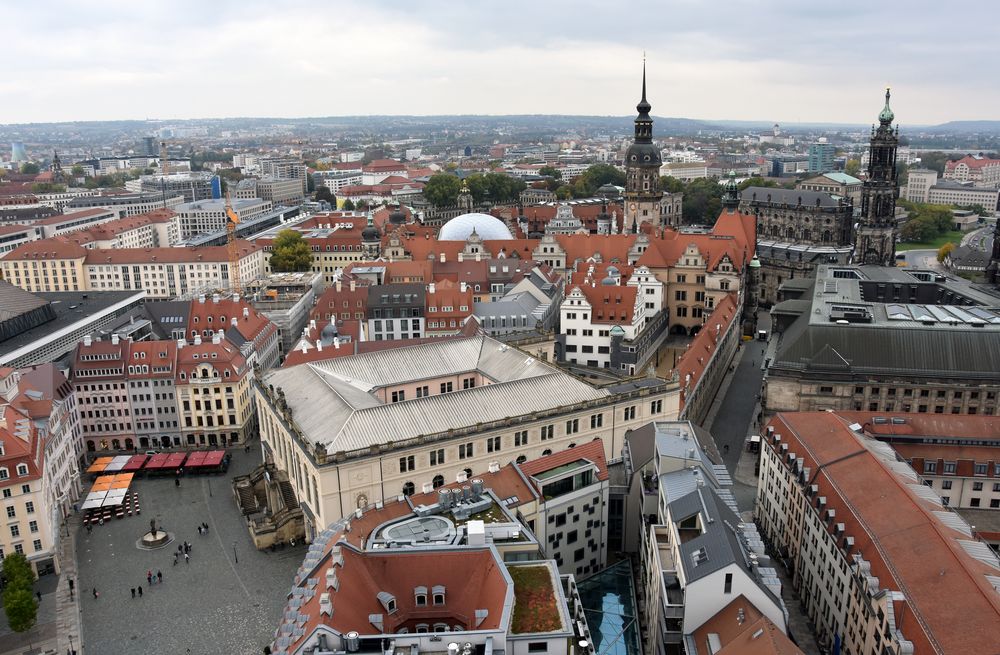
(770, 60)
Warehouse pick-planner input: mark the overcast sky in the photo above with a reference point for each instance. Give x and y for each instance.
(773, 60)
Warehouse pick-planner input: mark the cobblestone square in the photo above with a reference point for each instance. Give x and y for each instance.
(226, 600)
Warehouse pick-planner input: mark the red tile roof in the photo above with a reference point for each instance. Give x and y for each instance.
(609, 304)
(743, 630)
(692, 363)
(949, 606)
(972, 162)
(591, 450)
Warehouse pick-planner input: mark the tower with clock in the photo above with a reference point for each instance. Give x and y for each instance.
(643, 197)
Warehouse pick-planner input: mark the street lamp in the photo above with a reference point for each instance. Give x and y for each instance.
(72, 649)
(234, 553)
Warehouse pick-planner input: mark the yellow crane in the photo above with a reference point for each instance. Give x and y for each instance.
(232, 220)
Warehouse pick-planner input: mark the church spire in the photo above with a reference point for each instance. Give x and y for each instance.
(886, 116)
(643, 122)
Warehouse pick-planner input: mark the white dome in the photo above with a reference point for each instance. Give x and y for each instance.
(486, 226)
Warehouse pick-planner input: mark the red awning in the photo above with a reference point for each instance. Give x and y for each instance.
(157, 461)
(214, 458)
(175, 461)
(196, 459)
(135, 463)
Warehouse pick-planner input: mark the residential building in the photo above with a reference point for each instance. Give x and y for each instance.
(193, 186)
(706, 359)
(58, 264)
(28, 530)
(126, 204)
(980, 171)
(334, 238)
(448, 305)
(286, 299)
(78, 220)
(697, 555)
(923, 185)
(884, 339)
(279, 191)
(39, 328)
(286, 169)
(45, 397)
(13, 235)
(370, 426)
(397, 311)
(380, 169)
(870, 549)
(918, 184)
(529, 305)
(957, 457)
(156, 229)
(210, 215)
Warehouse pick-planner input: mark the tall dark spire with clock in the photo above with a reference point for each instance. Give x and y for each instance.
(875, 240)
(643, 197)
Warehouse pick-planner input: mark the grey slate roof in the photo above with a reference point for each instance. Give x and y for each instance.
(333, 404)
(719, 540)
(792, 197)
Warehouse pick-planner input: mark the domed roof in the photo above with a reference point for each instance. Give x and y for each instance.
(397, 216)
(486, 226)
(643, 154)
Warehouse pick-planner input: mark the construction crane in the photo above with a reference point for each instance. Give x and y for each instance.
(164, 159)
(232, 220)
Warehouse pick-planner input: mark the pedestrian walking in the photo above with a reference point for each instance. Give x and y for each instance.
(133, 592)
(175, 559)
(177, 482)
(187, 558)
(140, 591)
(95, 592)
(149, 577)
(199, 529)
(39, 594)
(159, 576)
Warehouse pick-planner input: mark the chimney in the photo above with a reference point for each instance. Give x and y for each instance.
(339, 286)
(114, 339)
(353, 284)
(305, 347)
(443, 258)
(236, 297)
(246, 312)
(461, 257)
(232, 321)
(201, 298)
(319, 345)
(336, 343)
(181, 343)
(197, 339)
(430, 288)
(87, 340)
(461, 285)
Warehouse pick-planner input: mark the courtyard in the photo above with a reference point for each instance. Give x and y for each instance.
(227, 599)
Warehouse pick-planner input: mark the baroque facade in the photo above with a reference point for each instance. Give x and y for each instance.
(875, 241)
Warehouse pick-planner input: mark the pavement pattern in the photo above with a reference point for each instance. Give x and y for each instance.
(227, 599)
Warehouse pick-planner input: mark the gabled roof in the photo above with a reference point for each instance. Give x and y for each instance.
(609, 304)
(592, 451)
(741, 629)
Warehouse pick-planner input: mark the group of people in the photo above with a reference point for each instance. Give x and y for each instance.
(203, 528)
(185, 550)
(151, 580)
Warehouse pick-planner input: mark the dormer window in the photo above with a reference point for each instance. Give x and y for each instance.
(22, 469)
(420, 596)
(388, 601)
(438, 593)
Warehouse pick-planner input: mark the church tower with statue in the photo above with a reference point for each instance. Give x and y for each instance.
(875, 238)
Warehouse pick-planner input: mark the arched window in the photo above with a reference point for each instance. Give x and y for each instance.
(546, 452)
(438, 481)
(521, 459)
(22, 469)
(468, 474)
(408, 489)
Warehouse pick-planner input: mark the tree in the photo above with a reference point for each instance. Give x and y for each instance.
(348, 205)
(324, 193)
(19, 602)
(598, 175)
(47, 187)
(77, 171)
(935, 161)
(945, 250)
(702, 200)
(671, 184)
(918, 230)
(30, 168)
(550, 171)
(757, 181)
(291, 253)
(852, 167)
(442, 189)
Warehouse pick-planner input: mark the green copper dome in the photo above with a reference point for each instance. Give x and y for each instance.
(886, 116)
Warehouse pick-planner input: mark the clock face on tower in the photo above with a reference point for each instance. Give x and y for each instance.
(632, 206)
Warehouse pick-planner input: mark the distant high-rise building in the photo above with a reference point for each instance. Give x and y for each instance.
(875, 241)
(17, 153)
(149, 146)
(821, 157)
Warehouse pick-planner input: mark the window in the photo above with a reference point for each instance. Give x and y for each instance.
(656, 406)
(468, 383)
(408, 489)
(422, 392)
(37, 545)
(398, 396)
(22, 469)
(11, 512)
(573, 426)
(538, 647)
(974, 502)
(945, 500)
(946, 484)
(629, 414)
(4, 474)
(493, 444)
(25, 488)
(980, 469)
(596, 420)
(406, 464)
(33, 526)
(572, 536)
(15, 530)
(547, 432)
(579, 554)
(465, 450)
(728, 586)
(521, 438)
(930, 467)
(421, 600)
(438, 481)
(977, 486)
(437, 457)
(949, 467)
(446, 387)
(439, 599)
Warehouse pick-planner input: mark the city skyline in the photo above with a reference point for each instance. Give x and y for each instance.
(127, 61)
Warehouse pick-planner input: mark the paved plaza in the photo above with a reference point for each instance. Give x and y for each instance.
(227, 599)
